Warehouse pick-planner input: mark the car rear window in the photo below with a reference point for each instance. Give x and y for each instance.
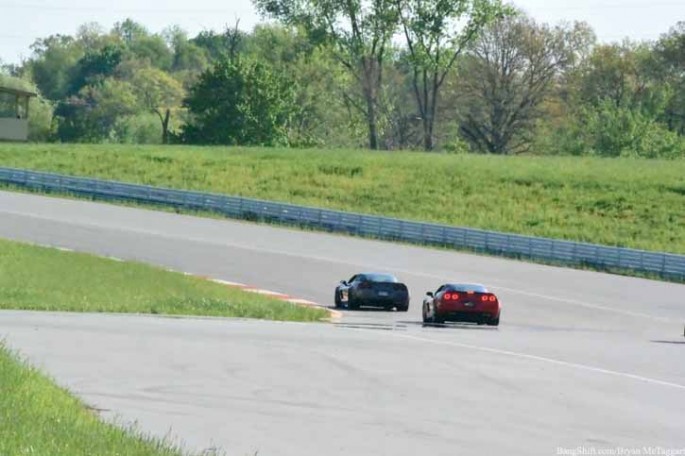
(380, 278)
(466, 287)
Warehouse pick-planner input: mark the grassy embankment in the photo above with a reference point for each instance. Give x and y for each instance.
(38, 278)
(39, 418)
(622, 202)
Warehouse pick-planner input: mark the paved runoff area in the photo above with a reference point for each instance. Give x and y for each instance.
(581, 362)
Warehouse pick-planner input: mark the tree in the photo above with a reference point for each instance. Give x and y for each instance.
(159, 93)
(278, 45)
(143, 45)
(240, 102)
(670, 57)
(618, 105)
(359, 31)
(92, 114)
(507, 74)
(435, 38)
(226, 45)
(52, 64)
(96, 65)
(609, 130)
(188, 58)
(619, 73)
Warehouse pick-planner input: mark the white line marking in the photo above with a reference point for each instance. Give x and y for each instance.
(303, 301)
(227, 283)
(273, 294)
(265, 292)
(543, 359)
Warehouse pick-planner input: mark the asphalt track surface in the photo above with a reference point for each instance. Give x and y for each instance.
(581, 359)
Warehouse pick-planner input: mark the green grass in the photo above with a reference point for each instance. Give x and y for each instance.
(622, 202)
(39, 418)
(39, 278)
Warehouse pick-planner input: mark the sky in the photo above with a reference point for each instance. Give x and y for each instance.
(22, 21)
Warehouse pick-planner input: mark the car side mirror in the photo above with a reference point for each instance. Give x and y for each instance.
(343, 282)
(429, 293)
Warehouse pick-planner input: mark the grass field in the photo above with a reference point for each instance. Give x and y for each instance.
(39, 418)
(621, 202)
(38, 278)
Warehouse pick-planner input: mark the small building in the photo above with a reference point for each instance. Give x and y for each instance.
(14, 114)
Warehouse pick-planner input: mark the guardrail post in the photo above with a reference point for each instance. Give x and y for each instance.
(574, 253)
(530, 248)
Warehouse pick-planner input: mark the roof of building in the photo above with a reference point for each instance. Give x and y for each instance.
(23, 93)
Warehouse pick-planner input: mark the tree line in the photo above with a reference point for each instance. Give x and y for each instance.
(446, 75)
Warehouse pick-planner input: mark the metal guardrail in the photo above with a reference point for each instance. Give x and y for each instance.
(664, 265)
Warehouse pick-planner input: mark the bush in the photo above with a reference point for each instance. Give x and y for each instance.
(138, 129)
(612, 131)
(240, 103)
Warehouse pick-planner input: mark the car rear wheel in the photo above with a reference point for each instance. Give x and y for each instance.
(431, 318)
(403, 308)
(494, 321)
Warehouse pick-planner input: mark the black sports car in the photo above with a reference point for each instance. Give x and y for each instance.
(373, 290)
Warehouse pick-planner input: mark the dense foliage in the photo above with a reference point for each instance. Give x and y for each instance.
(466, 76)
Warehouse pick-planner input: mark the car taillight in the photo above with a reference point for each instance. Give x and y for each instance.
(486, 298)
(451, 297)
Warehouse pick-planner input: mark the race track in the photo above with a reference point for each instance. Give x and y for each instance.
(580, 359)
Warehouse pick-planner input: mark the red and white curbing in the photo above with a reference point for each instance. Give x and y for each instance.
(335, 315)
(273, 294)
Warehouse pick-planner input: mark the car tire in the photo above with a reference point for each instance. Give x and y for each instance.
(424, 316)
(494, 321)
(403, 308)
(338, 304)
(433, 319)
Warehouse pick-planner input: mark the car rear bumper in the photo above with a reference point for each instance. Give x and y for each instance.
(467, 317)
(371, 298)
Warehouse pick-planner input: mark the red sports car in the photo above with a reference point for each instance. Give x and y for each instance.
(462, 302)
